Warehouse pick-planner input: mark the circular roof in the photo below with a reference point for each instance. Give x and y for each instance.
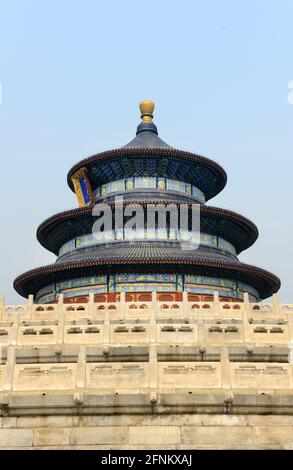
(148, 155)
(263, 281)
(62, 227)
(125, 162)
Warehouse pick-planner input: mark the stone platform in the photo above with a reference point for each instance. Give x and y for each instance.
(146, 375)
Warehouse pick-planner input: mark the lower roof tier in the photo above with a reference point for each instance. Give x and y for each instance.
(262, 281)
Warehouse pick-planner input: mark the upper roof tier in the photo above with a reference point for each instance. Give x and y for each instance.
(148, 155)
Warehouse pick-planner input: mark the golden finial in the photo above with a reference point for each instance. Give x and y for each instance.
(147, 108)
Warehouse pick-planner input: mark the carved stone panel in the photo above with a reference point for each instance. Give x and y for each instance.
(223, 333)
(116, 375)
(83, 334)
(36, 335)
(261, 375)
(177, 333)
(131, 333)
(44, 376)
(189, 374)
(265, 333)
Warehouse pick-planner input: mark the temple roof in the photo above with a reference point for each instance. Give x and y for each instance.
(62, 227)
(148, 155)
(126, 250)
(263, 281)
(203, 173)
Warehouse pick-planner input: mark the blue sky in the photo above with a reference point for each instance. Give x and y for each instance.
(73, 72)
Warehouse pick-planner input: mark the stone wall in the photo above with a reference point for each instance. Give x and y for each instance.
(147, 432)
(153, 375)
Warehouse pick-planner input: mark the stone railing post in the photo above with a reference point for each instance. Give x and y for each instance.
(245, 318)
(153, 314)
(30, 306)
(91, 307)
(276, 305)
(216, 305)
(154, 305)
(61, 321)
(200, 326)
(9, 369)
(185, 310)
(153, 371)
(107, 326)
(153, 320)
(225, 366)
(122, 305)
(81, 368)
(15, 329)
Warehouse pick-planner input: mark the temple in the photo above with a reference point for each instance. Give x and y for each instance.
(146, 335)
(146, 173)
